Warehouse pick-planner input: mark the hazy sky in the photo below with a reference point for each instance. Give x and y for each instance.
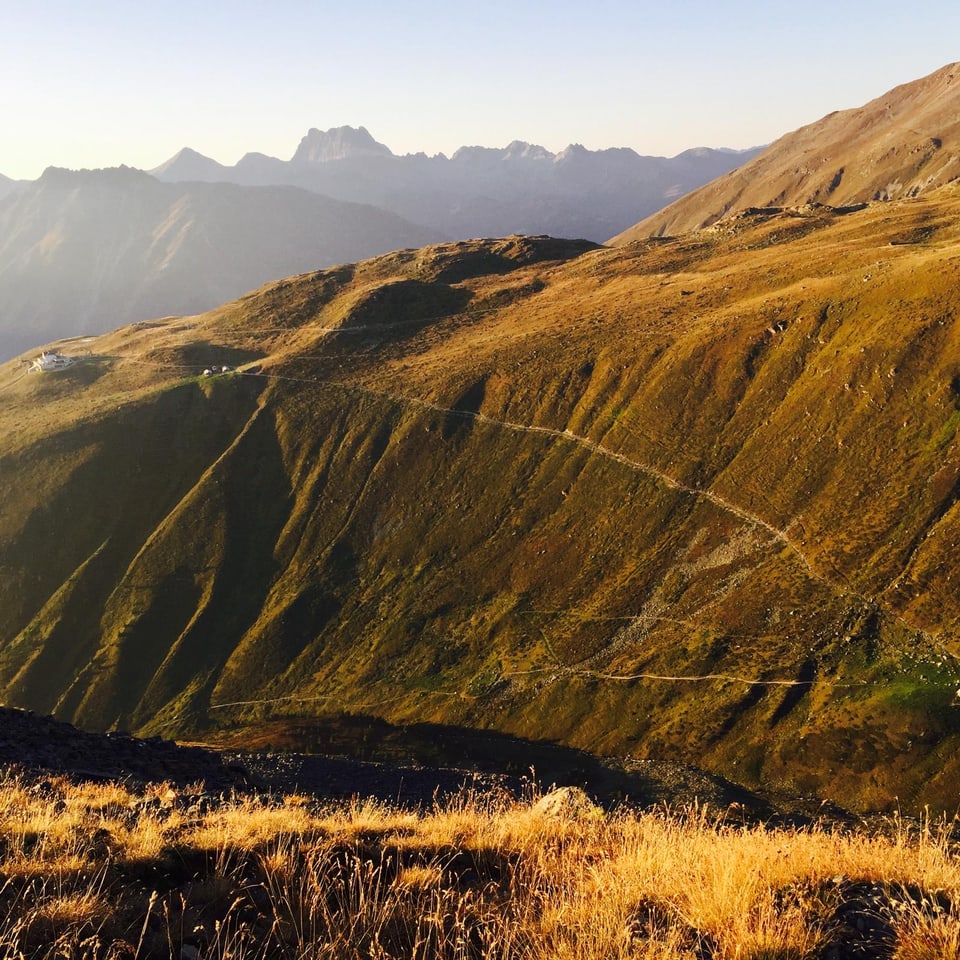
(92, 83)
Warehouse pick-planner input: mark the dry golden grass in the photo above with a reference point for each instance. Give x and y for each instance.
(92, 871)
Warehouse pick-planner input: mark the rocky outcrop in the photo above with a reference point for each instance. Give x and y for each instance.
(338, 143)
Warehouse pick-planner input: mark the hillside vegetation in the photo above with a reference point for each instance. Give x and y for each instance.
(693, 499)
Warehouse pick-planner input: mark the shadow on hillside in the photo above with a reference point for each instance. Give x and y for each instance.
(201, 354)
(398, 309)
(538, 764)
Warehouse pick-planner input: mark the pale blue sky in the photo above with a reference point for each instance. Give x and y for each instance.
(101, 82)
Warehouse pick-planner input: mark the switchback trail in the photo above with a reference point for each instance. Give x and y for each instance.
(598, 449)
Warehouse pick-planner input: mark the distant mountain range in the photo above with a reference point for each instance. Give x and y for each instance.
(901, 144)
(479, 191)
(84, 252)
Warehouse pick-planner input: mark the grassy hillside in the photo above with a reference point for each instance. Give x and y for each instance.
(901, 144)
(691, 499)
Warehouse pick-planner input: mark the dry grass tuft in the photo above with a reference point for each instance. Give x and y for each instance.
(115, 873)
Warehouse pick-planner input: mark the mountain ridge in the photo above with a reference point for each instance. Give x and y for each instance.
(344, 137)
(66, 279)
(900, 144)
(478, 191)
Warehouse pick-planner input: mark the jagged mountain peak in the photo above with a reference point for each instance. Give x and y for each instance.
(515, 150)
(521, 187)
(338, 143)
(521, 150)
(572, 150)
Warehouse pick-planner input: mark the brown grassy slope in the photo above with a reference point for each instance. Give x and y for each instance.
(692, 499)
(900, 145)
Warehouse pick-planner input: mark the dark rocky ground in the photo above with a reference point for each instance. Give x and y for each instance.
(43, 745)
(36, 744)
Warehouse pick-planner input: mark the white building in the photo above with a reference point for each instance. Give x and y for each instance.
(49, 362)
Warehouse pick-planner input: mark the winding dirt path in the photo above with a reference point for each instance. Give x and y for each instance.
(598, 449)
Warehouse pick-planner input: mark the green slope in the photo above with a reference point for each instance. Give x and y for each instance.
(692, 500)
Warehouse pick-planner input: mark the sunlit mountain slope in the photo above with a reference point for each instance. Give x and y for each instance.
(902, 144)
(691, 499)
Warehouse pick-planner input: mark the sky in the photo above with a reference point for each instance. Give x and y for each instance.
(96, 83)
